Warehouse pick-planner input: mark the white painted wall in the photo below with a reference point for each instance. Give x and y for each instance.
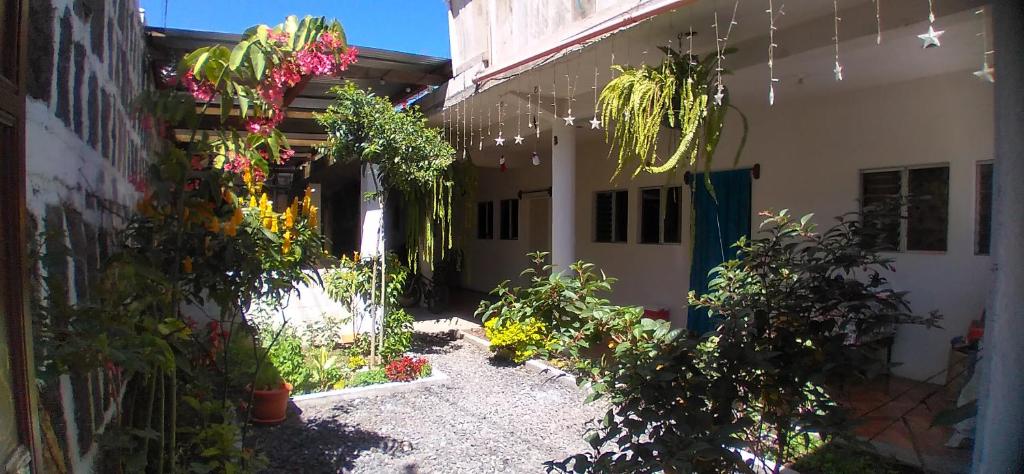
(811, 151)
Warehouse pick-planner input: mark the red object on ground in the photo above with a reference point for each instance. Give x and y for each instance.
(661, 314)
(975, 332)
(271, 406)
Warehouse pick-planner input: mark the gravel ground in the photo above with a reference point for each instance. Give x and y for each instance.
(487, 418)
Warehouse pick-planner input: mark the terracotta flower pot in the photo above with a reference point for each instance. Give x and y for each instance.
(271, 406)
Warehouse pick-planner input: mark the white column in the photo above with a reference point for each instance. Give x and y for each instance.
(1000, 432)
(370, 215)
(563, 195)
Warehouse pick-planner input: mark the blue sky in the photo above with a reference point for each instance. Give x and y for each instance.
(411, 26)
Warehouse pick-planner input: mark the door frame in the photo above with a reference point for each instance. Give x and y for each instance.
(13, 259)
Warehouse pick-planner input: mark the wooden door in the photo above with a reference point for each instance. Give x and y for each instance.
(16, 437)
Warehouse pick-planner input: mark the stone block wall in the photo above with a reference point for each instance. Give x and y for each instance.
(86, 64)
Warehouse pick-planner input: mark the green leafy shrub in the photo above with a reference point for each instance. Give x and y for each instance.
(288, 355)
(514, 339)
(352, 281)
(368, 377)
(579, 324)
(796, 313)
(837, 458)
(325, 369)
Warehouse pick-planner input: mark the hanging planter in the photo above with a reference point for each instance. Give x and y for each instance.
(684, 94)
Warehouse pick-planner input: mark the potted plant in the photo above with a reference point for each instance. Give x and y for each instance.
(270, 396)
(685, 94)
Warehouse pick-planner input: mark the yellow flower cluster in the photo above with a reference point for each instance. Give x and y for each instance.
(287, 221)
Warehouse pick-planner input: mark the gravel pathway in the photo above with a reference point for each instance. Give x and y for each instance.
(487, 418)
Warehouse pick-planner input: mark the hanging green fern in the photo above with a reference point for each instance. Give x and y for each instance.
(680, 94)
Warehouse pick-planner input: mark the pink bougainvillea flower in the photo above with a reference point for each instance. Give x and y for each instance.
(286, 154)
(315, 63)
(281, 37)
(328, 41)
(202, 91)
(271, 93)
(236, 163)
(258, 175)
(347, 58)
(286, 75)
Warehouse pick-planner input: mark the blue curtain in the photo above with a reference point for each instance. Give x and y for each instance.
(718, 225)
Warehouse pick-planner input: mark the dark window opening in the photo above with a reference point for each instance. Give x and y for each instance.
(928, 208)
(485, 220)
(509, 219)
(650, 216)
(611, 216)
(983, 231)
(880, 208)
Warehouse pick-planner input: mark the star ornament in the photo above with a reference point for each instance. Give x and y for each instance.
(500, 141)
(931, 38)
(985, 73)
(519, 139)
(595, 124)
(838, 70)
(569, 119)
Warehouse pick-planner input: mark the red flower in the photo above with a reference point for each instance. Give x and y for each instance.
(405, 369)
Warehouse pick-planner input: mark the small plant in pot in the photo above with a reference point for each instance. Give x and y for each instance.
(270, 396)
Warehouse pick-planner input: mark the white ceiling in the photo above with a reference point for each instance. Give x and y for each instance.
(804, 58)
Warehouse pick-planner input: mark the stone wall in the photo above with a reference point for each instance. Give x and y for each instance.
(87, 62)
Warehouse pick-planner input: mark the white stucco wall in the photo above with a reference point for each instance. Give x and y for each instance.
(811, 151)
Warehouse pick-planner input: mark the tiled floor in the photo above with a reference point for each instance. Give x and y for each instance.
(896, 416)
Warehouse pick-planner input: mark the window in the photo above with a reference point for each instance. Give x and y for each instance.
(660, 217)
(922, 193)
(611, 215)
(509, 219)
(983, 223)
(485, 220)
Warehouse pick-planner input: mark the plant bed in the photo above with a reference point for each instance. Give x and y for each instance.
(839, 458)
(436, 377)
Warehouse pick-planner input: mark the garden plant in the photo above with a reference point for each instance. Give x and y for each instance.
(800, 313)
(205, 234)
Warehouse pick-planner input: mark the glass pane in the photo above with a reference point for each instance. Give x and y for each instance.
(928, 208)
(673, 215)
(513, 220)
(650, 220)
(983, 234)
(485, 220)
(880, 208)
(8, 424)
(621, 215)
(603, 217)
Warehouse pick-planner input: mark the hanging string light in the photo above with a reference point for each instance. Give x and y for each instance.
(878, 21)
(536, 119)
(838, 69)
(930, 39)
(986, 73)
(725, 46)
(571, 94)
(500, 141)
(595, 123)
(519, 121)
(772, 14)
